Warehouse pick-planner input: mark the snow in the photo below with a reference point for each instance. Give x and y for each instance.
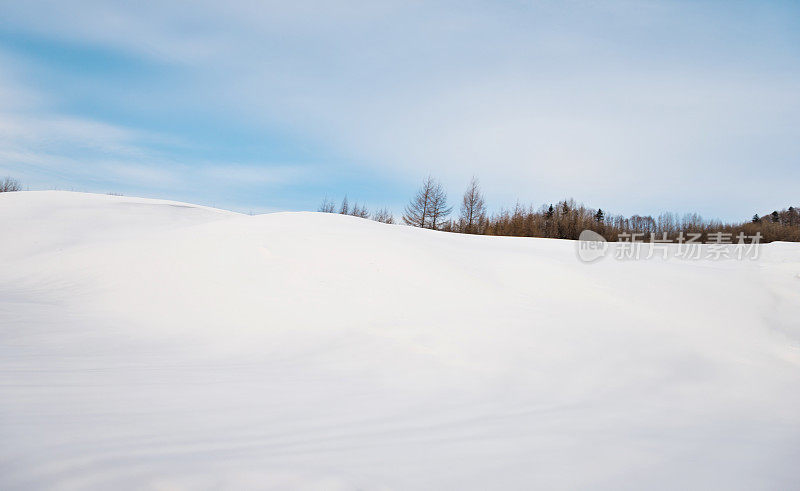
(157, 345)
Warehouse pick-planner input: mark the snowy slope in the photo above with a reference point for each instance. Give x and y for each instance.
(157, 345)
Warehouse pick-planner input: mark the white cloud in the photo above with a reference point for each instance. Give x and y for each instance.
(540, 99)
(46, 148)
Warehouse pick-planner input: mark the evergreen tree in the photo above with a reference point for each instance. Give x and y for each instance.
(599, 216)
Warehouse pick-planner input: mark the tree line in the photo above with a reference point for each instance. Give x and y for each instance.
(429, 208)
(382, 215)
(8, 184)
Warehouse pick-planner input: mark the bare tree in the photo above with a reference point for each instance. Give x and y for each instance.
(327, 206)
(345, 208)
(429, 207)
(417, 212)
(9, 184)
(359, 211)
(383, 215)
(473, 208)
(438, 208)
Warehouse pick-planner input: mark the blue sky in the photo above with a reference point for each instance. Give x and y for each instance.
(633, 106)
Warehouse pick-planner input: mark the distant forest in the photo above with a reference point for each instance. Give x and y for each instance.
(429, 208)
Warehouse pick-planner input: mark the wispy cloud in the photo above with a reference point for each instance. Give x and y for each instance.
(47, 148)
(623, 104)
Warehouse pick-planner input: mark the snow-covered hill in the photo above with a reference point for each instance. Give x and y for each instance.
(157, 345)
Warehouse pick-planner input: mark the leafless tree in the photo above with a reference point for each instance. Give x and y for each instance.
(438, 208)
(359, 211)
(417, 212)
(565, 219)
(429, 207)
(473, 208)
(383, 215)
(327, 206)
(9, 184)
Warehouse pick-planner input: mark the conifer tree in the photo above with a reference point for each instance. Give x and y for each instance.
(599, 216)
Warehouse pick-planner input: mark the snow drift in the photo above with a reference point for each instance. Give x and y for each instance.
(160, 345)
